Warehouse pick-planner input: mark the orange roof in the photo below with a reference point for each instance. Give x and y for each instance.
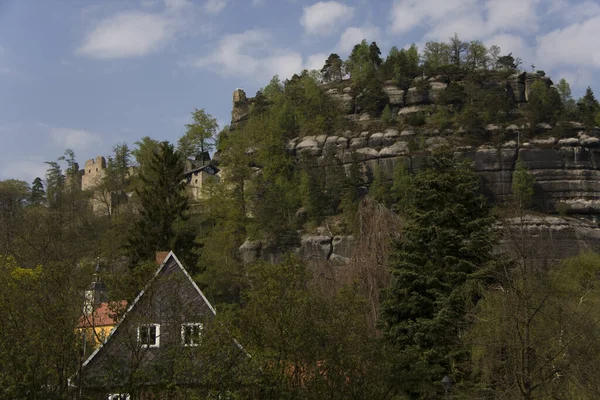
(104, 315)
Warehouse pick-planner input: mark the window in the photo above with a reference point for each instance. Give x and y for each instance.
(119, 396)
(149, 335)
(191, 334)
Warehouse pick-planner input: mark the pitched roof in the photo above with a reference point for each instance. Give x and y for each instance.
(104, 315)
(170, 256)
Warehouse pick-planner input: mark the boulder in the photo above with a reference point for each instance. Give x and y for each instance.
(345, 101)
(343, 246)
(396, 149)
(358, 143)
(309, 145)
(250, 251)
(435, 141)
(365, 117)
(376, 140)
(416, 97)
(366, 153)
(315, 247)
(330, 146)
(568, 142)
(414, 109)
(436, 89)
(395, 94)
(544, 141)
(390, 136)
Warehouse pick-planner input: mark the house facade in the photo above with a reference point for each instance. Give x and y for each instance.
(155, 345)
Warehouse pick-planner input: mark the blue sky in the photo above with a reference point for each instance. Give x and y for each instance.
(88, 74)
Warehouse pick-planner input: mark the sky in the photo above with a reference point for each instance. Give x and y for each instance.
(86, 75)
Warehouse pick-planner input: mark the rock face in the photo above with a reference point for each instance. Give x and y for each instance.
(565, 165)
(547, 239)
(566, 171)
(395, 94)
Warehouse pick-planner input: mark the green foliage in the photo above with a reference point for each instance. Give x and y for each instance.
(477, 56)
(363, 63)
(458, 50)
(508, 63)
(38, 344)
(273, 90)
(522, 186)
(446, 240)
(387, 116)
(162, 201)
(401, 186)
(333, 70)
(402, 65)
(436, 57)
(380, 187)
(38, 194)
(199, 136)
(372, 99)
(307, 345)
(536, 332)
(588, 107)
(415, 119)
(544, 104)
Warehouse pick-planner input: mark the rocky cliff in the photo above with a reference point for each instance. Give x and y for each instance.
(564, 159)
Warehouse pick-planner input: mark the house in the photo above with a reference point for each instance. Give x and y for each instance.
(155, 343)
(197, 177)
(96, 326)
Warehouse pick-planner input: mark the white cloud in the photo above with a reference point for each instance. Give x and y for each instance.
(250, 54)
(470, 19)
(508, 15)
(76, 139)
(467, 27)
(509, 44)
(258, 3)
(136, 33)
(409, 14)
(325, 17)
(355, 35)
(578, 78)
(316, 61)
(576, 44)
(214, 6)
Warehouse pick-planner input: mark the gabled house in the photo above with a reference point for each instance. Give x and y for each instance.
(153, 344)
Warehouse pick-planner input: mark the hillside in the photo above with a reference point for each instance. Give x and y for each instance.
(413, 227)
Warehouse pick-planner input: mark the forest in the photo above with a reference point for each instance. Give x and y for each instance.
(427, 308)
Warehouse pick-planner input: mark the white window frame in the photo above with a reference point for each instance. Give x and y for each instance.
(146, 326)
(119, 396)
(193, 325)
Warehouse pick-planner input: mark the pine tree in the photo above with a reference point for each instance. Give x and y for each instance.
(588, 107)
(37, 191)
(163, 202)
(446, 240)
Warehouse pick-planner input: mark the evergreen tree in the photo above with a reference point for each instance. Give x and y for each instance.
(38, 194)
(544, 104)
(446, 240)
(162, 201)
(588, 107)
(332, 71)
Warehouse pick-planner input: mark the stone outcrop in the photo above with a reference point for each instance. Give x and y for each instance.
(547, 239)
(567, 171)
(316, 248)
